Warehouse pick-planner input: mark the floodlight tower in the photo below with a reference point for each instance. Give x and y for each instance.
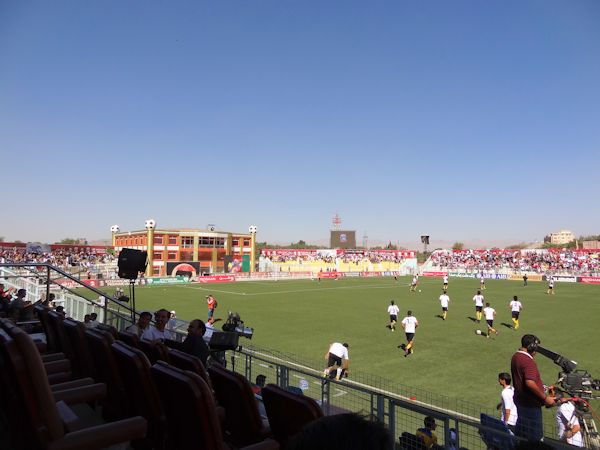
(114, 230)
(365, 240)
(150, 225)
(252, 229)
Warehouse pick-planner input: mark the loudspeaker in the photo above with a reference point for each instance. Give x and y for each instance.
(425, 239)
(131, 262)
(223, 340)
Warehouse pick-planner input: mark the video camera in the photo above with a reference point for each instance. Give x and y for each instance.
(235, 324)
(576, 383)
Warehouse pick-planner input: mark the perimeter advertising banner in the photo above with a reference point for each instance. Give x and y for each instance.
(435, 274)
(590, 280)
(216, 279)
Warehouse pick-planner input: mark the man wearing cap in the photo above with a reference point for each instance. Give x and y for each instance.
(211, 302)
(529, 394)
(337, 358)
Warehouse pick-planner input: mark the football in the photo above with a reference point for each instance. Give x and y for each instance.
(478, 332)
(419, 290)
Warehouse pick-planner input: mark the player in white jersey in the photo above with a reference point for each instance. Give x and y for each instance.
(444, 300)
(337, 358)
(410, 324)
(550, 285)
(515, 307)
(490, 314)
(481, 281)
(413, 284)
(393, 311)
(478, 299)
(445, 282)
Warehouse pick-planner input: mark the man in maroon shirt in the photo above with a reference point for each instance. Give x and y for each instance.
(529, 391)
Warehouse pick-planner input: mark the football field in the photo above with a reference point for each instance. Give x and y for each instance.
(302, 317)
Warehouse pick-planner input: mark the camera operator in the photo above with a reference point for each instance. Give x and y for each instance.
(529, 390)
(569, 429)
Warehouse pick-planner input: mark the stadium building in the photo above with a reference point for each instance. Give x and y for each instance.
(190, 251)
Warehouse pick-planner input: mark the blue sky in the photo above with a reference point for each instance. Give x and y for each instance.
(466, 120)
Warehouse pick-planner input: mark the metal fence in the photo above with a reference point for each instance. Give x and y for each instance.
(401, 408)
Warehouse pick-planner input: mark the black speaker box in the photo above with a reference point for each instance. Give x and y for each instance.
(223, 340)
(131, 262)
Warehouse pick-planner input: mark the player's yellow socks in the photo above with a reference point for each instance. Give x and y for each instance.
(516, 324)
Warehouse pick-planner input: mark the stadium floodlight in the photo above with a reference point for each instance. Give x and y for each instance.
(114, 229)
(253, 229)
(150, 224)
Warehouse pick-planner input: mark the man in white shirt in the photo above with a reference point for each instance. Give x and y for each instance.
(509, 409)
(550, 285)
(445, 283)
(337, 358)
(158, 332)
(209, 330)
(481, 281)
(568, 425)
(410, 324)
(141, 325)
(515, 307)
(393, 311)
(490, 314)
(478, 299)
(413, 284)
(444, 301)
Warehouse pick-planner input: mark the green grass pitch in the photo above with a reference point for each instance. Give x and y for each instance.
(303, 316)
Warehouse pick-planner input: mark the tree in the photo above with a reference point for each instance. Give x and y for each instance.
(1, 238)
(458, 246)
(74, 241)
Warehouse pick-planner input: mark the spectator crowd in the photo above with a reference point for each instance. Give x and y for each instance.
(539, 261)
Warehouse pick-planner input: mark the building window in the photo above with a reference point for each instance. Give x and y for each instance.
(246, 242)
(158, 240)
(187, 242)
(211, 242)
(172, 256)
(172, 240)
(156, 271)
(157, 255)
(235, 242)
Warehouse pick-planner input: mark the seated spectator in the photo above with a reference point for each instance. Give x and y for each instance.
(426, 434)
(209, 329)
(260, 383)
(194, 343)
(158, 332)
(87, 321)
(342, 432)
(61, 310)
(19, 307)
(93, 320)
(142, 324)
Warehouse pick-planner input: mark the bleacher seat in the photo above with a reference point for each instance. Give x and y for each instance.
(154, 350)
(129, 338)
(100, 344)
(409, 441)
(49, 421)
(503, 439)
(288, 412)
(141, 393)
(83, 364)
(243, 424)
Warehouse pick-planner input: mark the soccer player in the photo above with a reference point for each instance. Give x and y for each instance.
(410, 324)
(515, 306)
(490, 314)
(413, 284)
(445, 282)
(550, 285)
(393, 310)
(481, 282)
(444, 300)
(337, 358)
(478, 299)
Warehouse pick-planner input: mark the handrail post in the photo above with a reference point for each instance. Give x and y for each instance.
(47, 282)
